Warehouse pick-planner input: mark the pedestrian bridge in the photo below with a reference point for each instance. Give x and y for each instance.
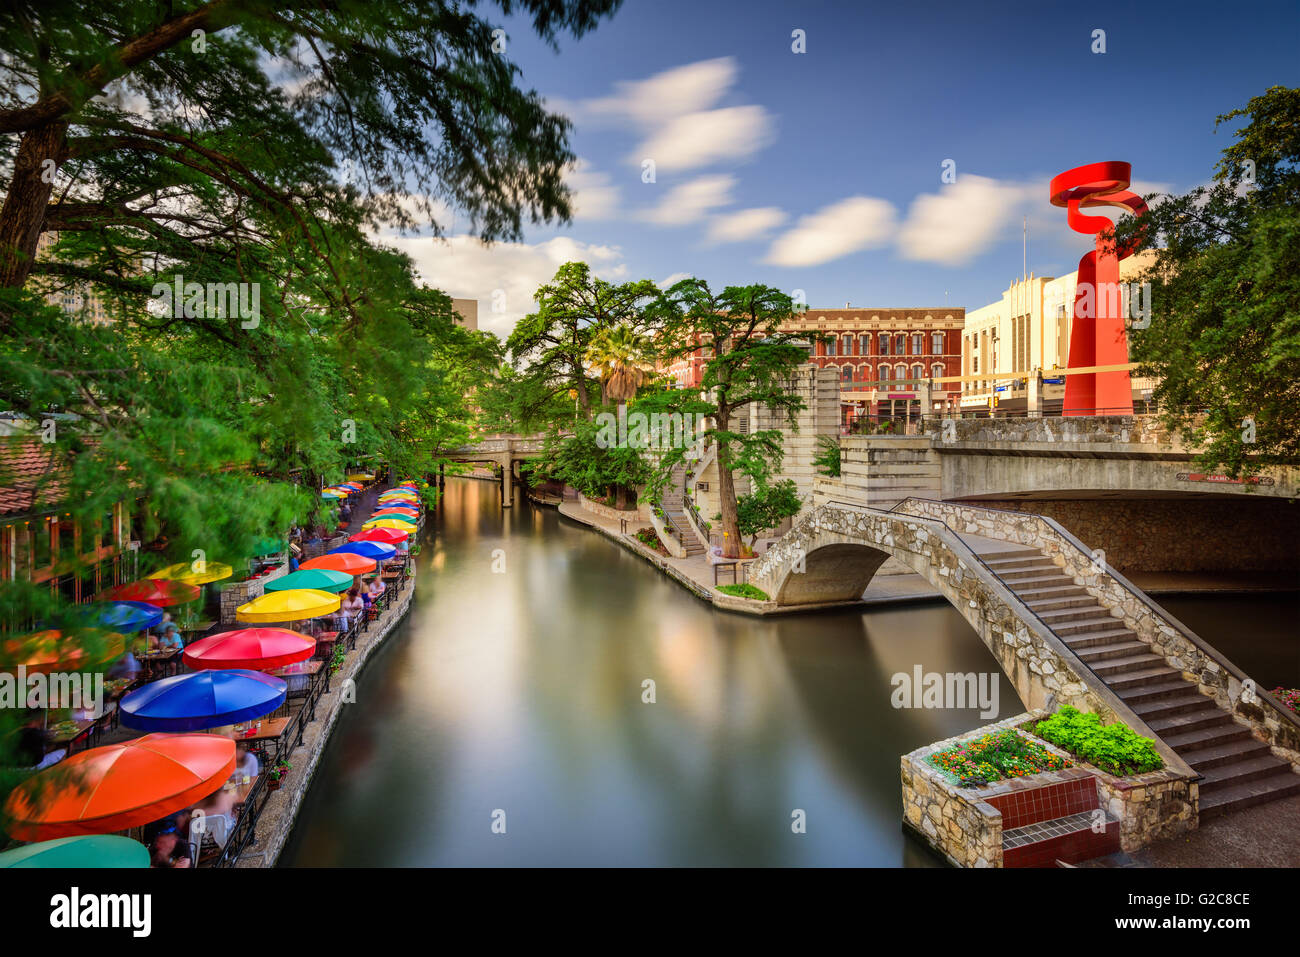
(1064, 627)
(504, 451)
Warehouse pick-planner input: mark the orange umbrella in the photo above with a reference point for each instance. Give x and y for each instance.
(120, 786)
(160, 592)
(348, 562)
(46, 651)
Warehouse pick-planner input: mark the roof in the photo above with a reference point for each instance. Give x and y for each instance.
(31, 475)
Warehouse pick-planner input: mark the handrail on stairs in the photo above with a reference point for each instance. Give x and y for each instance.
(1201, 644)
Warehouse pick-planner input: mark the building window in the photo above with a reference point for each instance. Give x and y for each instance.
(884, 343)
(846, 373)
(936, 343)
(900, 344)
(900, 371)
(884, 373)
(918, 371)
(918, 343)
(864, 344)
(848, 345)
(830, 346)
(936, 370)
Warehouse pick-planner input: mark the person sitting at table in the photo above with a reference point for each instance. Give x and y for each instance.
(128, 666)
(160, 628)
(170, 640)
(377, 587)
(351, 607)
(169, 846)
(246, 763)
(32, 741)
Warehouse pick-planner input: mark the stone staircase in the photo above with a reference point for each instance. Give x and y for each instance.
(1239, 771)
(675, 509)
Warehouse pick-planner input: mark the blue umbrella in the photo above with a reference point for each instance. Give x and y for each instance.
(376, 550)
(202, 699)
(124, 616)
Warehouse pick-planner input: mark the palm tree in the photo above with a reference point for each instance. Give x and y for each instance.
(624, 360)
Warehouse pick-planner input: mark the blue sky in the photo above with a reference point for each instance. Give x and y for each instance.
(821, 171)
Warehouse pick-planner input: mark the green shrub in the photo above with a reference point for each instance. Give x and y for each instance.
(1115, 748)
(743, 591)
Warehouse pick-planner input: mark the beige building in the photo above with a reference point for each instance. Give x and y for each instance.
(1026, 331)
(467, 309)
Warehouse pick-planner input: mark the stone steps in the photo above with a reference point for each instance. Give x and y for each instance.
(1238, 770)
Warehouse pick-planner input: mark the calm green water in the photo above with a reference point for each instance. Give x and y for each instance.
(516, 685)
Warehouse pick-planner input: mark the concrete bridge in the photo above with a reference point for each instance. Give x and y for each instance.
(503, 451)
(1064, 626)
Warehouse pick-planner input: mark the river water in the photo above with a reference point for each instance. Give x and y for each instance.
(513, 697)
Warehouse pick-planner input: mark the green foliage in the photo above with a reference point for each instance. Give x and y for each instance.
(766, 507)
(744, 591)
(648, 537)
(1224, 337)
(1115, 748)
(583, 461)
(550, 346)
(827, 459)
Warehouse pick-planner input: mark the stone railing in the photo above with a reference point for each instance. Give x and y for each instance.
(668, 533)
(1215, 676)
(1035, 659)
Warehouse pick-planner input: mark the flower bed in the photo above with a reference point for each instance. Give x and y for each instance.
(1002, 754)
(1115, 748)
(648, 538)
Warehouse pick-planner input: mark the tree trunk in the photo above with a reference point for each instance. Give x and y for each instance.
(727, 492)
(23, 213)
(620, 497)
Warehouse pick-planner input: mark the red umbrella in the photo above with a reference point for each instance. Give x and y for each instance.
(161, 592)
(347, 562)
(119, 786)
(258, 649)
(390, 536)
(403, 512)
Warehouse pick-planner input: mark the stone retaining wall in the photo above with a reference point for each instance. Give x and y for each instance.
(639, 514)
(241, 593)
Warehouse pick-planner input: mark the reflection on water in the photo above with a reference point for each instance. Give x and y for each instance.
(521, 690)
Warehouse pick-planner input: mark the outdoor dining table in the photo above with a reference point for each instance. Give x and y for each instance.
(311, 671)
(160, 664)
(271, 732)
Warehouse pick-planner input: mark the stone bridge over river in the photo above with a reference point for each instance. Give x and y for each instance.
(1063, 625)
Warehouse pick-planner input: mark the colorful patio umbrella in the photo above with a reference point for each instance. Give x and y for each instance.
(185, 572)
(352, 485)
(202, 699)
(127, 616)
(387, 523)
(152, 591)
(119, 786)
(46, 651)
(395, 515)
(389, 536)
(324, 579)
(257, 648)
(376, 550)
(398, 507)
(295, 605)
(346, 562)
(92, 850)
(330, 496)
(361, 477)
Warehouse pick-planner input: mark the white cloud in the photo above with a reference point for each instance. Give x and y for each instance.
(745, 224)
(678, 113)
(859, 222)
(700, 139)
(672, 280)
(961, 221)
(594, 196)
(691, 201)
(663, 97)
(502, 275)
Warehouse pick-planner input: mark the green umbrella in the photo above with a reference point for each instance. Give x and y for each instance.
(322, 579)
(94, 850)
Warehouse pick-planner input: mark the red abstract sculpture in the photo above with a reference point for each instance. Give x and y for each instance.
(1098, 337)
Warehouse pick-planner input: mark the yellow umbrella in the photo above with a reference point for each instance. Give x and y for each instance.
(386, 523)
(360, 477)
(294, 604)
(185, 572)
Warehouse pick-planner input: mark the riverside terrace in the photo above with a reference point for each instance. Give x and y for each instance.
(240, 813)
